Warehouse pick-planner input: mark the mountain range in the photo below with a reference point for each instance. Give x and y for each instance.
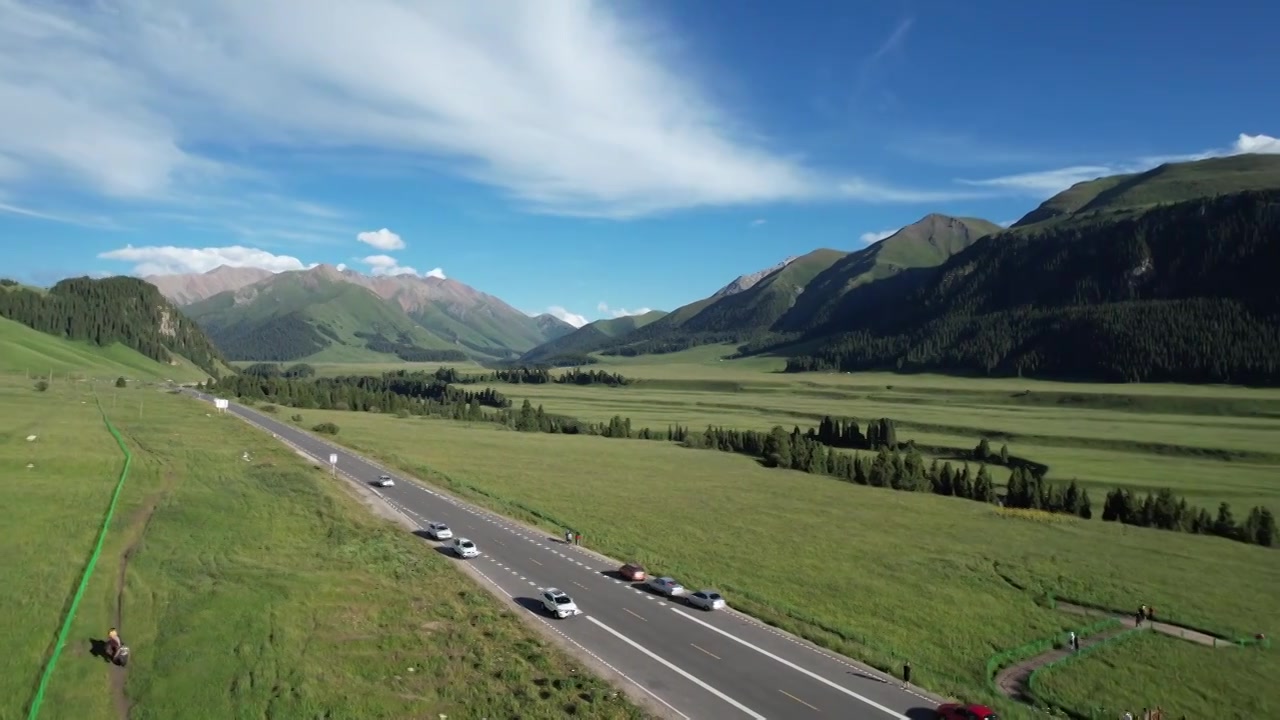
(1161, 275)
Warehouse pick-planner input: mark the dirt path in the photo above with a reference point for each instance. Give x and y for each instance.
(135, 531)
(1013, 681)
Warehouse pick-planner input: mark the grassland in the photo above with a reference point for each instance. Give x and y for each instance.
(1209, 443)
(891, 576)
(1147, 670)
(27, 351)
(257, 588)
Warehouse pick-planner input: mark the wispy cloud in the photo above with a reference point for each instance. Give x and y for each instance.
(575, 319)
(387, 265)
(382, 239)
(872, 237)
(758, 222)
(891, 43)
(1049, 182)
(603, 308)
(568, 107)
(95, 222)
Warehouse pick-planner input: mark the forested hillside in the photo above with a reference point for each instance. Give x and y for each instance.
(113, 310)
(1184, 292)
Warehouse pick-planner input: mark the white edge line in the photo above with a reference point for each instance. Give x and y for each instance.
(793, 666)
(677, 670)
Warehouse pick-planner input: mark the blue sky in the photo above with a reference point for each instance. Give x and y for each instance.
(595, 158)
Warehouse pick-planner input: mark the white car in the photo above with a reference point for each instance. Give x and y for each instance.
(439, 531)
(386, 481)
(705, 599)
(464, 548)
(558, 603)
(666, 586)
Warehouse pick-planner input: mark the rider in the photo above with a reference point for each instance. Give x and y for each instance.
(113, 643)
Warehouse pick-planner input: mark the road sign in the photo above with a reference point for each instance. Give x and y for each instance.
(220, 403)
(333, 458)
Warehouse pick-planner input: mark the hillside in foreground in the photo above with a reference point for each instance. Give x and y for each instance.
(117, 310)
(37, 354)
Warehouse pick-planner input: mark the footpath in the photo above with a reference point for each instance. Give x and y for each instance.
(1014, 681)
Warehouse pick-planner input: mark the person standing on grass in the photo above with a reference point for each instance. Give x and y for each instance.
(1071, 640)
(906, 673)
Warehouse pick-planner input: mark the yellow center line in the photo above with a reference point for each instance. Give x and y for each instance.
(641, 619)
(793, 697)
(705, 651)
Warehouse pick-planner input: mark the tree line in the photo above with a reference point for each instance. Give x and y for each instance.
(537, 375)
(121, 310)
(1181, 293)
(404, 348)
(1165, 511)
(888, 462)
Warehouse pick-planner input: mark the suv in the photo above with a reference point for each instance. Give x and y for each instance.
(666, 586)
(386, 481)
(558, 603)
(439, 531)
(464, 548)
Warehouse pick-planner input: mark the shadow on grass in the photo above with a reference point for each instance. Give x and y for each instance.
(98, 649)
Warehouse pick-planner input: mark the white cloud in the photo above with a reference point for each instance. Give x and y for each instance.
(572, 318)
(871, 237)
(574, 109)
(387, 265)
(382, 239)
(758, 222)
(603, 307)
(169, 260)
(1050, 182)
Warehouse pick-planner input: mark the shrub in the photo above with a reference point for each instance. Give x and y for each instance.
(269, 408)
(42, 385)
(296, 418)
(121, 382)
(327, 428)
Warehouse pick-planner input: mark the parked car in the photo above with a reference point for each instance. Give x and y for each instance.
(558, 603)
(632, 572)
(958, 711)
(705, 600)
(666, 586)
(464, 548)
(438, 531)
(386, 481)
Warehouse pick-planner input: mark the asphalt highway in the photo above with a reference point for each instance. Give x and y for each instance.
(697, 665)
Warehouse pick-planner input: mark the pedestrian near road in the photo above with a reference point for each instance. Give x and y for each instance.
(1072, 641)
(568, 537)
(578, 538)
(906, 673)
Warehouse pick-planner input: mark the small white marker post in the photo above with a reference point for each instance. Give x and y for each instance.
(333, 463)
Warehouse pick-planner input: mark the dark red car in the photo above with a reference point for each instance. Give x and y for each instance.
(633, 572)
(956, 711)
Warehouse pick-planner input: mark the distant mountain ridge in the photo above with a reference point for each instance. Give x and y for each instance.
(259, 315)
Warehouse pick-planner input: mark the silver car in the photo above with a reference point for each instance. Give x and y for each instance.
(666, 586)
(439, 531)
(706, 600)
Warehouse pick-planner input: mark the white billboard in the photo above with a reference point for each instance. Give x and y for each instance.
(220, 403)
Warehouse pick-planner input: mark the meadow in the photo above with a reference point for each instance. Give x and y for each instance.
(27, 352)
(1147, 670)
(245, 588)
(880, 575)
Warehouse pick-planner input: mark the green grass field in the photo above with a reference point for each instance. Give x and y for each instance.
(250, 589)
(30, 352)
(877, 574)
(1149, 670)
(1209, 443)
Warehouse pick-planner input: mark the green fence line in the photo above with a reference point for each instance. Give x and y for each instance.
(38, 699)
(1008, 657)
(1034, 680)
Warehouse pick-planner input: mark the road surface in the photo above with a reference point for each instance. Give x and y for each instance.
(696, 665)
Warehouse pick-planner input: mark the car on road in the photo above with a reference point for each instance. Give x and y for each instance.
(558, 603)
(464, 548)
(632, 572)
(666, 586)
(959, 711)
(386, 481)
(706, 600)
(438, 531)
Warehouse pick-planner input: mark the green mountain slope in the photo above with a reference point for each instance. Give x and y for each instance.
(1169, 183)
(23, 350)
(1183, 291)
(735, 317)
(116, 310)
(314, 315)
(926, 243)
(590, 337)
